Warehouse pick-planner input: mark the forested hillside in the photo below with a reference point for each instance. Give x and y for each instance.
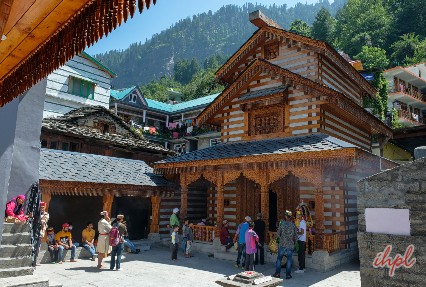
(200, 37)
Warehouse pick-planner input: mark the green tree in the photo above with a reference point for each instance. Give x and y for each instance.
(203, 83)
(323, 26)
(381, 103)
(158, 90)
(362, 23)
(300, 27)
(373, 58)
(408, 50)
(184, 70)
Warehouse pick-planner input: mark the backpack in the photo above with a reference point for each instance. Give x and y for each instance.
(114, 236)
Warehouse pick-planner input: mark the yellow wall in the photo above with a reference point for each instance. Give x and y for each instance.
(394, 152)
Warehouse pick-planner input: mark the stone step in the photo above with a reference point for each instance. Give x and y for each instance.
(14, 272)
(15, 228)
(17, 238)
(25, 281)
(6, 263)
(11, 251)
(80, 253)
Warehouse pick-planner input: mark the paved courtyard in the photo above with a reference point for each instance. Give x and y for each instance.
(154, 268)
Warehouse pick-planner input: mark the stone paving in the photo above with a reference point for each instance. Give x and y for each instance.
(154, 268)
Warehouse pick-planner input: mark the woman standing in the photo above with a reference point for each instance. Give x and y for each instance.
(104, 226)
(251, 246)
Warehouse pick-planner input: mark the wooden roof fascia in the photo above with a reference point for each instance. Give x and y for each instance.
(5, 8)
(343, 156)
(333, 97)
(84, 28)
(318, 46)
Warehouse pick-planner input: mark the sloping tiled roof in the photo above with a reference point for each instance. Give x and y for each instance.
(308, 143)
(67, 124)
(263, 92)
(168, 108)
(81, 167)
(120, 94)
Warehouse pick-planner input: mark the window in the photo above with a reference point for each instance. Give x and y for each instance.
(73, 146)
(215, 141)
(53, 145)
(132, 98)
(81, 88)
(44, 143)
(65, 146)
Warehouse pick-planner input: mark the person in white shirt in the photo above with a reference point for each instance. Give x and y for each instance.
(301, 240)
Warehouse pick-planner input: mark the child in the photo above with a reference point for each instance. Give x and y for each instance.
(175, 242)
(52, 246)
(251, 246)
(188, 237)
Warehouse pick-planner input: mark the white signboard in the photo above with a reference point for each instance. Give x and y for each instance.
(387, 221)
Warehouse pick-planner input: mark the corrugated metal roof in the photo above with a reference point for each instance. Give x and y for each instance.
(81, 167)
(120, 94)
(308, 143)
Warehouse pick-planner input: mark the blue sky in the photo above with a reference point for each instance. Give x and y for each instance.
(162, 15)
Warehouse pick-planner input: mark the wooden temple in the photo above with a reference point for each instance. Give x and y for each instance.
(293, 129)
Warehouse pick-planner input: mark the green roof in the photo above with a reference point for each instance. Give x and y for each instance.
(102, 66)
(203, 101)
(120, 94)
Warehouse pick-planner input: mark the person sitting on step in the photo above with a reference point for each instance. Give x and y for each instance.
(64, 240)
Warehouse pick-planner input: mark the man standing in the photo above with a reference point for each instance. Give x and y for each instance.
(259, 228)
(117, 250)
(287, 234)
(174, 218)
(241, 237)
(104, 227)
(64, 240)
(87, 239)
(44, 218)
(301, 240)
(15, 210)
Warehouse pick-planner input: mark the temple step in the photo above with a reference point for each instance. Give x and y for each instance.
(25, 281)
(16, 238)
(14, 228)
(6, 263)
(13, 251)
(15, 272)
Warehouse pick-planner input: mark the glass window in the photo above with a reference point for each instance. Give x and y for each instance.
(81, 88)
(73, 146)
(65, 146)
(53, 144)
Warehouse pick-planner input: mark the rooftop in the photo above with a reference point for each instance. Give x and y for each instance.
(80, 167)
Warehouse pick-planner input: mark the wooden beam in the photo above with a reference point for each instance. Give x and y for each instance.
(5, 9)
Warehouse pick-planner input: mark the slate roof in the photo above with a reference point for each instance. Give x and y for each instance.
(263, 92)
(67, 124)
(308, 143)
(81, 167)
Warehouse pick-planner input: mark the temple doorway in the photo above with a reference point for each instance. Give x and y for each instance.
(273, 211)
(137, 211)
(287, 196)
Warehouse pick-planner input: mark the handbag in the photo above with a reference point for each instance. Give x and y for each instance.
(273, 246)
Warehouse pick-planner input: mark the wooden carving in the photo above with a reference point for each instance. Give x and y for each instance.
(276, 174)
(229, 176)
(319, 218)
(107, 200)
(184, 201)
(311, 174)
(272, 50)
(266, 121)
(219, 209)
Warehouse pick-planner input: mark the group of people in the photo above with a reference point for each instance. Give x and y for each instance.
(187, 235)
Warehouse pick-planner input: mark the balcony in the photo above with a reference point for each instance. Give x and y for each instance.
(408, 96)
(409, 119)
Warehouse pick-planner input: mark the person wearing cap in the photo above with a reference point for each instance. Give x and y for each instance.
(240, 237)
(52, 246)
(104, 228)
(118, 249)
(88, 238)
(287, 234)
(64, 240)
(15, 210)
(174, 218)
(251, 247)
(259, 228)
(225, 236)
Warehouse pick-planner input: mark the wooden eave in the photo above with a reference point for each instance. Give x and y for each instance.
(41, 35)
(343, 157)
(332, 97)
(224, 74)
(57, 187)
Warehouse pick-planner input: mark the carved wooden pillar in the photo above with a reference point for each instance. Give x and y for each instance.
(264, 204)
(319, 219)
(220, 207)
(155, 208)
(183, 201)
(107, 203)
(46, 197)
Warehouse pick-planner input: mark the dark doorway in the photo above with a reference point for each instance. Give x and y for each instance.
(76, 209)
(273, 216)
(137, 211)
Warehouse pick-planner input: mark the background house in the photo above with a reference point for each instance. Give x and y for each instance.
(81, 82)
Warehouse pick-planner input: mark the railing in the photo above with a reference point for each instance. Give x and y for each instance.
(409, 116)
(34, 219)
(410, 92)
(331, 241)
(203, 233)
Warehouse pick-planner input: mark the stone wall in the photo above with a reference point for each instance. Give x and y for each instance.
(403, 187)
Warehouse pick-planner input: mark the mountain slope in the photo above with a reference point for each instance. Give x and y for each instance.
(201, 36)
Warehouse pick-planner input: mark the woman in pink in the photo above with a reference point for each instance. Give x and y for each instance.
(251, 239)
(15, 208)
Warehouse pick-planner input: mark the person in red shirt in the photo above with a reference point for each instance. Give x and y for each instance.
(225, 237)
